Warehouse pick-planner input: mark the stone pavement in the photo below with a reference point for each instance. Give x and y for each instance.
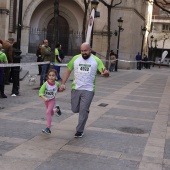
(128, 126)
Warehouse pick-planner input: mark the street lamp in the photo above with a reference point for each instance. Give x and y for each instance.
(120, 22)
(17, 57)
(143, 35)
(94, 4)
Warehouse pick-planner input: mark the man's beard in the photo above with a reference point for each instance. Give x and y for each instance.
(85, 56)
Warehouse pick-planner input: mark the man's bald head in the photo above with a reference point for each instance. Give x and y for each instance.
(85, 50)
(85, 44)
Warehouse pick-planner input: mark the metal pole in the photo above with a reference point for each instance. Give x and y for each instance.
(155, 51)
(19, 25)
(116, 66)
(151, 51)
(151, 56)
(17, 57)
(91, 41)
(56, 24)
(55, 38)
(142, 45)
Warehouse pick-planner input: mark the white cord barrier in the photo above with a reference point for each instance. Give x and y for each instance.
(64, 64)
(30, 64)
(129, 61)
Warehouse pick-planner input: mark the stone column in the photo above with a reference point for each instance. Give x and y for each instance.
(4, 20)
(25, 39)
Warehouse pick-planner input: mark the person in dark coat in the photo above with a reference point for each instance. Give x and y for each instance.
(138, 59)
(146, 63)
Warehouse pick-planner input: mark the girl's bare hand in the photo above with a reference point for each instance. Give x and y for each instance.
(45, 99)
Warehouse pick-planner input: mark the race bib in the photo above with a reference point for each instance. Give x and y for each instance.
(49, 94)
(84, 68)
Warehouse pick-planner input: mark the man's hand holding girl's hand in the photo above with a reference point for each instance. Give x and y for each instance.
(62, 87)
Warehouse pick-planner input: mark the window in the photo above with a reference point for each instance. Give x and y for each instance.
(166, 27)
(164, 13)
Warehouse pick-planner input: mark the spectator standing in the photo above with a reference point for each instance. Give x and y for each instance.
(46, 56)
(147, 63)
(111, 52)
(59, 56)
(8, 47)
(3, 60)
(145, 59)
(61, 53)
(57, 60)
(11, 77)
(138, 59)
(112, 62)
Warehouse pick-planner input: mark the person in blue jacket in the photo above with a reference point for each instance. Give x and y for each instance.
(138, 59)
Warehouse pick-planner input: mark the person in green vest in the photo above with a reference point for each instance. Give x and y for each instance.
(57, 60)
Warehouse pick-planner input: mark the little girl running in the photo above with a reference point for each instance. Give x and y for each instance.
(48, 92)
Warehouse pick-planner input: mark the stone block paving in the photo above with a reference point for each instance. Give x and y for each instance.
(130, 133)
(85, 162)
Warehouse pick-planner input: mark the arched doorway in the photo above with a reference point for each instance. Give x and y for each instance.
(63, 33)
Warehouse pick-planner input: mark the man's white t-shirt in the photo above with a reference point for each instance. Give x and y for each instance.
(85, 71)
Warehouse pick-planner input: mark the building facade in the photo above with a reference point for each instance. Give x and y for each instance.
(160, 30)
(38, 19)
